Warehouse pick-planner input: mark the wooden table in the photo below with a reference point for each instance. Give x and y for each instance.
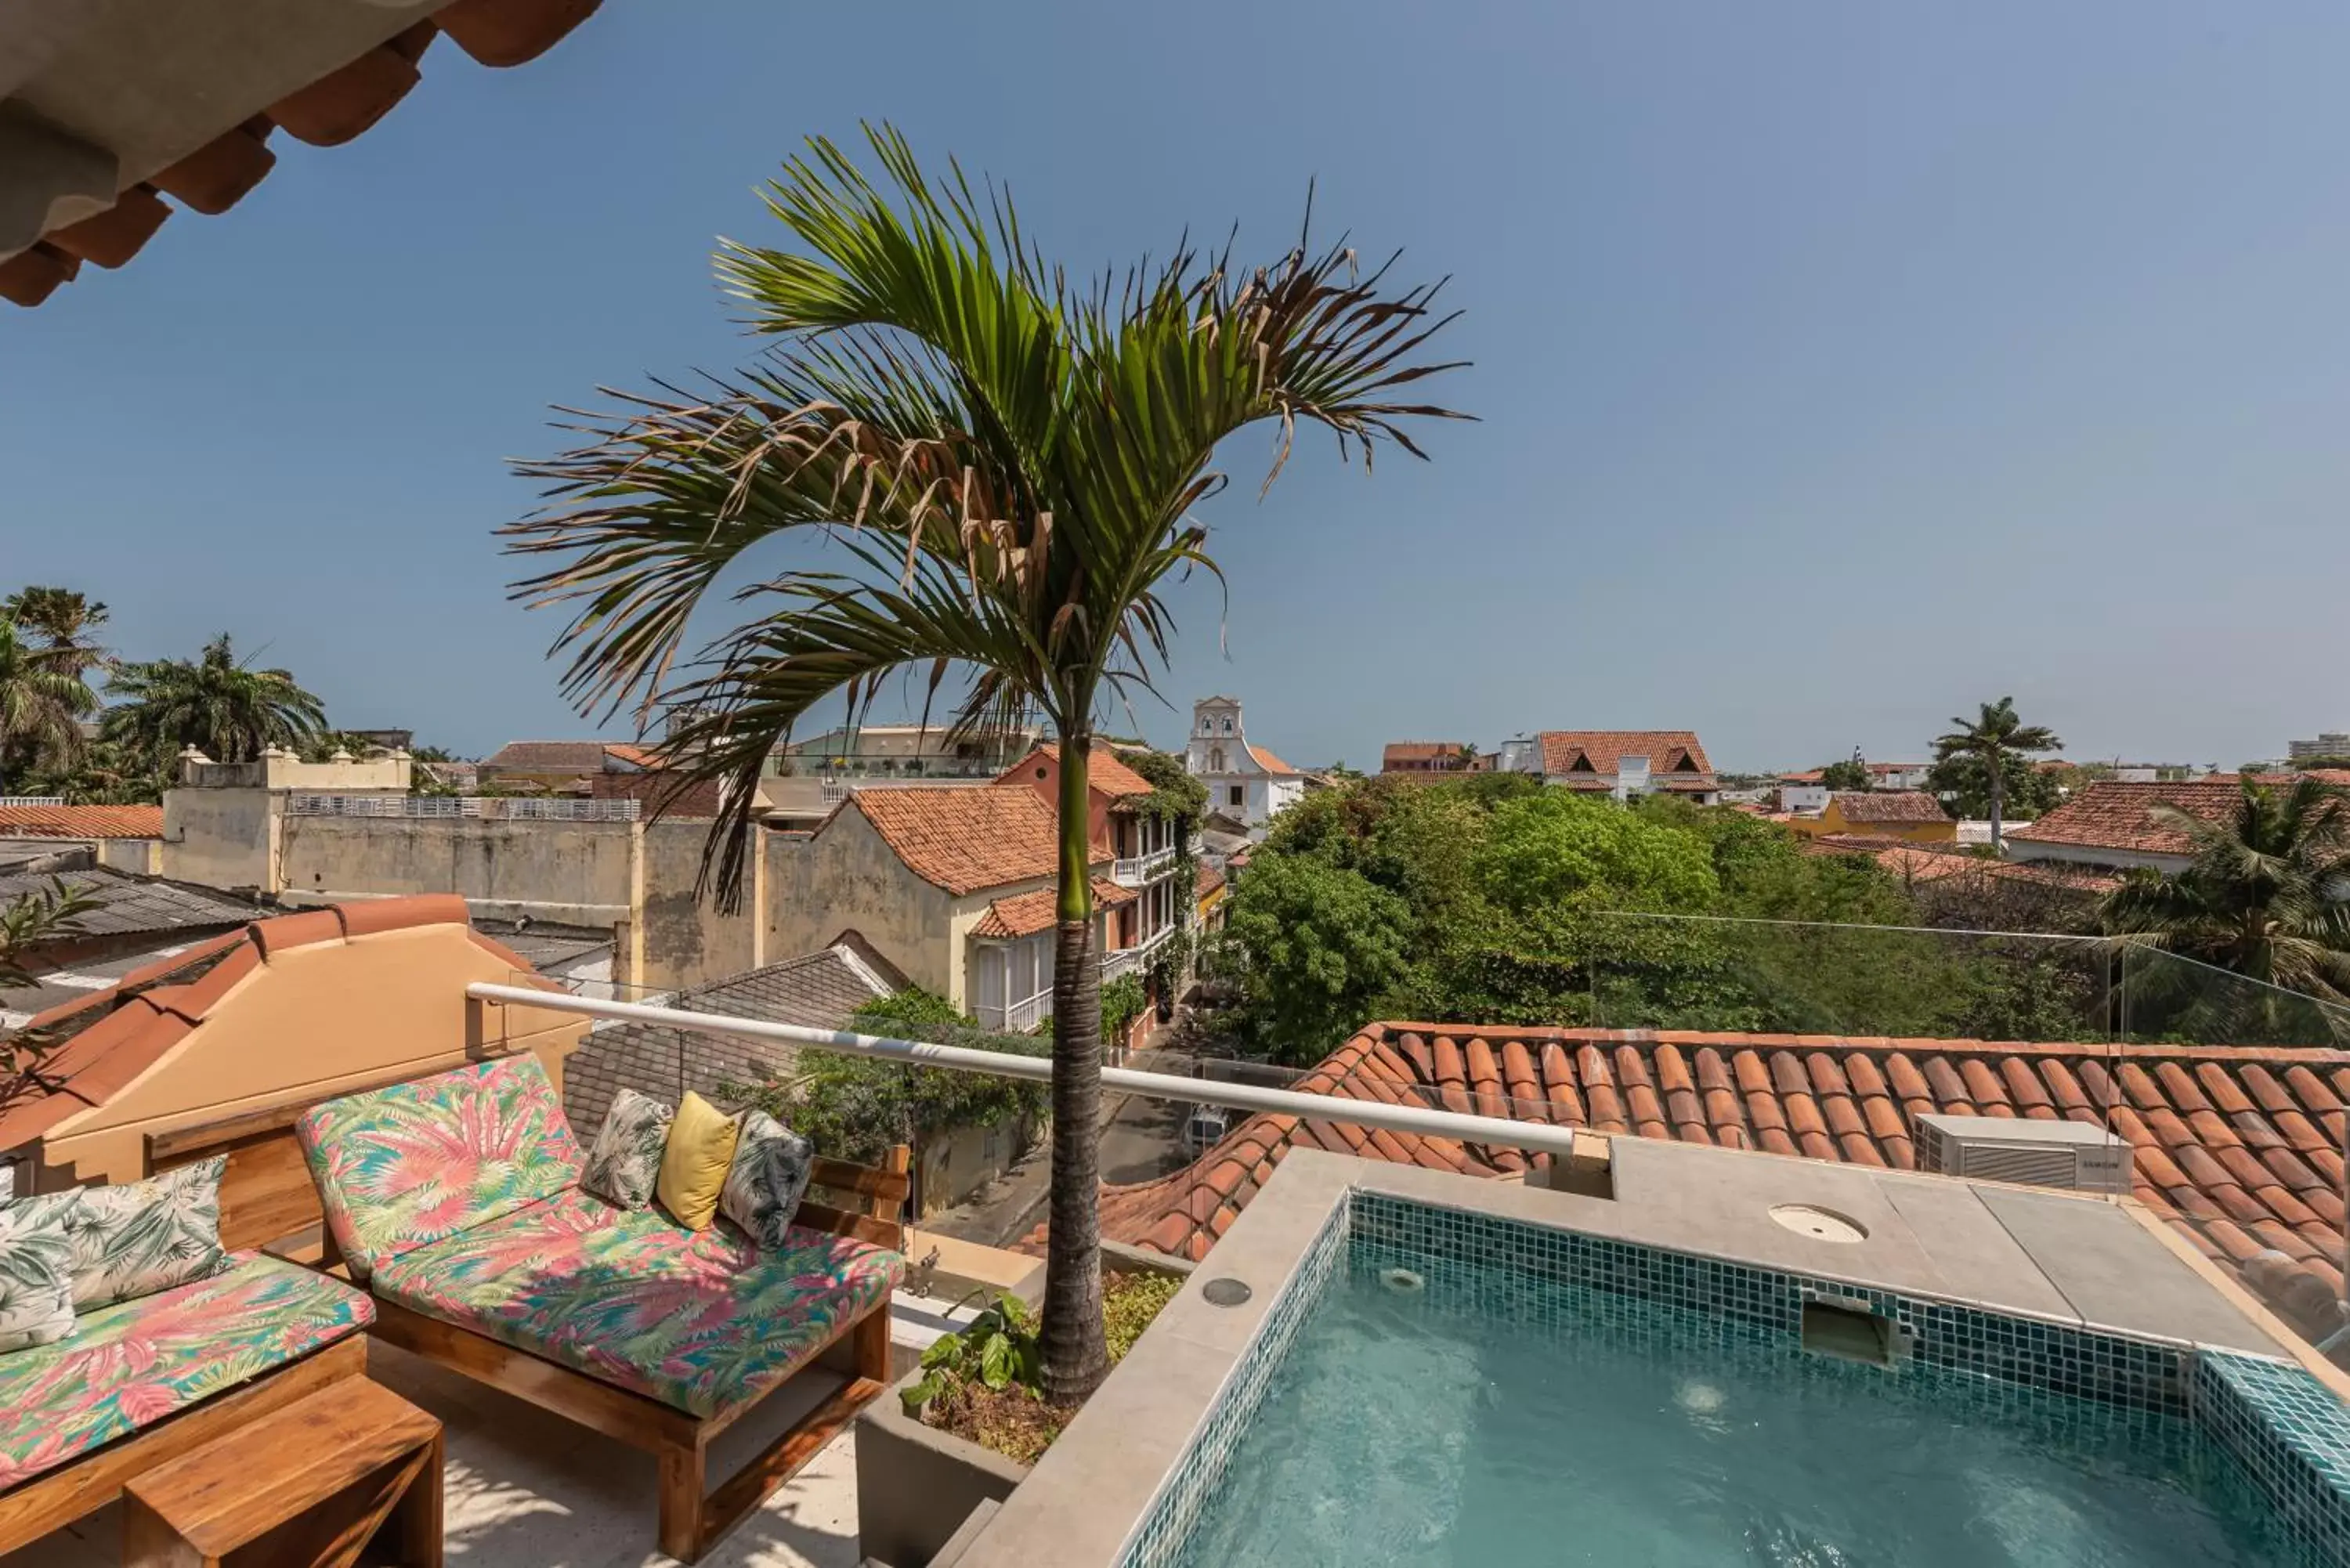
(352, 1468)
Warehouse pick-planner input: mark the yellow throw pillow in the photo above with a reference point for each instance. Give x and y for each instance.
(694, 1162)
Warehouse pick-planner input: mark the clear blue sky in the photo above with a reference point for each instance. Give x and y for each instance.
(1840, 365)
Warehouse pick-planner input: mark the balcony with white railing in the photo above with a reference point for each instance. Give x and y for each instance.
(1142, 868)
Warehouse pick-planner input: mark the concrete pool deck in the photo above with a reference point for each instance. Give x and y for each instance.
(2077, 1260)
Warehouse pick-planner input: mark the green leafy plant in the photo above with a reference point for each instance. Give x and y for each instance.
(999, 1349)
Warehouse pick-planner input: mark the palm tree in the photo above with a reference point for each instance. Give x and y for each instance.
(1993, 736)
(1465, 758)
(219, 704)
(1005, 463)
(61, 620)
(2263, 896)
(42, 699)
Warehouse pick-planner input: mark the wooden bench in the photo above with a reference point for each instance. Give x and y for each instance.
(315, 1484)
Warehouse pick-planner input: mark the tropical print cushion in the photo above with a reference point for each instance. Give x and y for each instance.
(130, 1364)
(767, 1180)
(141, 1237)
(35, 1271)
(701, 1320)
(626, 1159)
(417, 1162)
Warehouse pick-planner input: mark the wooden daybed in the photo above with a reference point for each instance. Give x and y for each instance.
(598, 1314)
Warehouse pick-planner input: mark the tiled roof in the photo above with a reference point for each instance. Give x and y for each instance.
(964, 839)
(101, 1042)
(1270, 763)
(1038, 909)
(1809, 776)
(127, 905)
(2239, 1145)
(1419, 752)
(1105, 772)
(81, 822)
(1890, 806)
(1916, 863)
(2112, 816)
(1604, 749)
(818, 990)
(561, 756)
(635, 756)
(326, 112)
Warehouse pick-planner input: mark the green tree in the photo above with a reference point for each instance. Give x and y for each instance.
(36, 920)
(1962, 784)
(1560, 849)
(1324, 943)
(1991, 740)
(1005, 468)
(42, 701)
(61, 622)
(1848, 775)
(217, 703)
(2262, 898)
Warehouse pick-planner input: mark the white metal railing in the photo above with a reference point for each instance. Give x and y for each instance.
(449, 807)
(32, 800)
(1019, 1018)
(1120, 960)
(1141, 869)
(1543, 1137)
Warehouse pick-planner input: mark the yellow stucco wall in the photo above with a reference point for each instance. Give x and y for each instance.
(1831, 820)
(312, 1022)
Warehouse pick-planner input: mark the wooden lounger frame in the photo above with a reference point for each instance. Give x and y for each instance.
(693, 1517)
(55, 1499)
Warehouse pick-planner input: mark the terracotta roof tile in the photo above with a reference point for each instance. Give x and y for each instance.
(1038, 909)
(2112, 816)
(1890, 806)
(1105, 774)
(1568, 752)
(2228, 1140)
(1270, 763)
(81, 822)
(964, 839)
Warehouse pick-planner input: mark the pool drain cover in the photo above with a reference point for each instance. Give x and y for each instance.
(1226, 1292)
(1819, 1224)
(1403, 1281)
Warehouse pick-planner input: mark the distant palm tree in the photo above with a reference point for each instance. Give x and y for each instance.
(1465, 758)
(1992, 738)
(218, 704)
(2263, 896)
(60, 621)
(42, 701)
(1007, 460)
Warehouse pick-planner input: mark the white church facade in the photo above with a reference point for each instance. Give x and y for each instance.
(1247, 783)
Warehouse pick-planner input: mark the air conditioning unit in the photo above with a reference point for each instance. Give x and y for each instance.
(2075, 1155)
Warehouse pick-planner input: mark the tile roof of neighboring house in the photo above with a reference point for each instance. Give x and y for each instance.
(2112, 816)
(1418, 752)
(213, 175)
(1272, 763)
(1104, 771)
(81, 822)
(1808, 776)
(2239, 1145)
(1211, 880)
(127, 905)
(1038, 909)
(1605, 749)
(1890, 806)
(100, 1041)
(635, 756)
(1915, 863)
(818, 989)
(963, 839)
(563, 756)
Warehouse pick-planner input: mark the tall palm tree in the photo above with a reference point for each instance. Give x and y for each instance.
(2264, 895)
(61, 621)
(1003, 464)
(218, 703)
(1991, 738)
(42, 699)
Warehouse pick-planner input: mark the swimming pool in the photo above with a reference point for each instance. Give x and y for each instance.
(1439, 1388)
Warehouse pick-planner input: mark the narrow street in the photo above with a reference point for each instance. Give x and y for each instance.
(1142, 1138)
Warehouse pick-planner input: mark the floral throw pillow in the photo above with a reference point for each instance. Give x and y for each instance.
(768, 1178)
(35, 1271)
(626, 1162)
(143, 1237)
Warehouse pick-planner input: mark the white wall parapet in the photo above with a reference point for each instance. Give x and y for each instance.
(449, 807)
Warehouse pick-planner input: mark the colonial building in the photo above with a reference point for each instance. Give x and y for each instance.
(1912, 816)
(1246, 782)
(1621, 763)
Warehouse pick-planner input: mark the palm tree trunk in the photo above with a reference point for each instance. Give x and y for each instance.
(1075, 1356)
(1998, 796)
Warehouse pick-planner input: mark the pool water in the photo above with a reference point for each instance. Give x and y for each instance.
(1491, 1419)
